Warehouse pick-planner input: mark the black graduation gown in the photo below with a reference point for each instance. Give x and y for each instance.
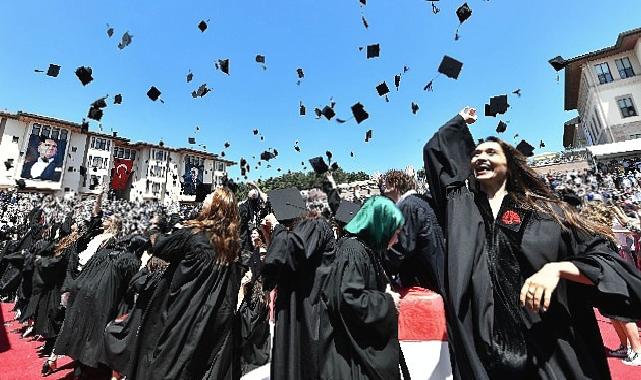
(255, 342)
(98, 291)
(359, 329)
(12, 261)
(42, 249)
(187, 330)
(418, 256)
(120, 336)
(563, 342)
(296, 265)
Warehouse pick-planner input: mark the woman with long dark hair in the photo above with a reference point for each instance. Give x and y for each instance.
(187, 330)
(523, 271)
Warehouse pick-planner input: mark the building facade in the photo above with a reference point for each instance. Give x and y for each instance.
(60, 157)
(604, 86)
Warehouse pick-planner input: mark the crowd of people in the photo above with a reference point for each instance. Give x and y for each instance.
(140, 291)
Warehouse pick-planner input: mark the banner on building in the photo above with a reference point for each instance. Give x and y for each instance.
(120, 173)
(44, 158)
(193, 176)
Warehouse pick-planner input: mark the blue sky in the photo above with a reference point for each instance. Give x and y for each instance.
(504, 45)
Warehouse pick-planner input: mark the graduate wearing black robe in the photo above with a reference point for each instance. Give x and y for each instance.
(487, 262)
(98, 291)
(187, 330)
(296, 264)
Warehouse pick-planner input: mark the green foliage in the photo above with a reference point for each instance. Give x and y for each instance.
(301, 181)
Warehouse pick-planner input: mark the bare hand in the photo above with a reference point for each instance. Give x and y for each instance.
(469, 115)
(270, 220)
(536, 293)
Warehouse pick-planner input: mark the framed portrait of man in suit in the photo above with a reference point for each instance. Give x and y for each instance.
(44, 158)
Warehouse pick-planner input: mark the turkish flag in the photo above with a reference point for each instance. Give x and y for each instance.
(120, 173)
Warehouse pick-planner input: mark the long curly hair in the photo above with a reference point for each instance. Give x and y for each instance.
(66, 242)
(221, 221)
(530, 192)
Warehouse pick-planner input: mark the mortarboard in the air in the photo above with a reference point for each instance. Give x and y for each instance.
(202, 25)
(502, 127)
(558, 63)
(255, 131)
(346, 211)
(319, 165)
(365, 24)
(318, 112)
(368, 135)
(526, 149)
(110, 31)
(373, 51)
(450, 67)
(499, 104)
(297, 148)
(335, 166)
(517, 92)
(190, 76)
(301, 109)
(300, 73)
(489, 111)
(201, 91)
(84, 74)
(397, 81)
(328, 112)
(125, 40)
(463, 13)
(99, 103)
(227, 145)
(351, 154)
(383, 90)
(53, 70)
(267, 155)
(118, 99)
(260, 59)
(414, 108)
(95, 113)
(541, 144)
(329, 155)
(287, 204)
(8, 164)
(84, 127)
(223, 65)
(222, 154)
(21, 184)
(191, 140)
(153, 93)
(358, 110)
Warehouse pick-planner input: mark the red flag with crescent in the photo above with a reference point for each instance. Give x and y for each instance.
(120, 173)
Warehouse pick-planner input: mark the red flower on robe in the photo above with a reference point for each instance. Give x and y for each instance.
(510, 217)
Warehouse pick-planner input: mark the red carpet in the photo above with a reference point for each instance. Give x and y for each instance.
(19, 360)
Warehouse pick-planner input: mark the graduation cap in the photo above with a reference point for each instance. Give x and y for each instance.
(358, 110)
(383, 90)
(463, 13)
(191, 140)
(397, 81)
(329, 155)
(435, 9)
(243, 162)
(318, 112)
(125, 40)
(95, 113)
(201, 91)
(110, 31)
(502, 127)
(368, 135)
(202, 25)
(319, 165)
(227, 145)
(373, 51)
(84, 127)
(351, 154)
(498, 105)
(223, 65)
(526, 149)
(267, 155)
(153, 93)
(414, 108)
(541, 144)
(301, 109)
(287, 204)
(99, 103)
(21, 184)
(118, 99)
(364, 22)
(255, 131)
(260, 59)
(222, 154)
(8, 164)
(84, 74)
(300, 73)
(328, 112)
(558, 63)
(450, 67)
(346, 211)
(297, 148)
(334, 166)
(517, 92)
(53, 70)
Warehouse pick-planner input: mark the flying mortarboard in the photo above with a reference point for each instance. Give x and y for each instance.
(463, 13)
(227, 145)
(541, 144)
(260, 59)
(255, 131)
(502, 127)
(414, 108)
(334, 166)
(84, 74)
(267, 155)
(118, 99)
(450, 67)
(190, 76)
(53, 70)
(223, 65)
(558, 63)
(125, 40)
(110, 31)
(383, 90)
(397, 81)
(202, 25)
(358, 110)
(373, 51)
(498, 106)
(319, 165)
(201, 91)
(301, 109)
(328, 112)
(287, 204)
(95, 113)
(364, 22)
(526, 149)
(154, 93)
(21, 184)
(191, 140)
(368, 135)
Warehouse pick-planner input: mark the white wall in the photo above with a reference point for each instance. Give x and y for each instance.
(73, 180)
(10, 150)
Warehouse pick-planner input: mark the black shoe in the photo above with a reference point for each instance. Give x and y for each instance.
(49, 367)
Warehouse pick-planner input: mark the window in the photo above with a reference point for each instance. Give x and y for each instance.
(603, 73)
(626, 107)
(47, 131)
(160, 155)
(636, 136)
(126, 154)
(625, 67)
(36, 129)
(221, 167)
(99, 143)
(15, 139)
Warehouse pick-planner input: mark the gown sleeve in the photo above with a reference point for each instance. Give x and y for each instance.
(446, 157)
(281, 256)
(617, 283)
(171, 248)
